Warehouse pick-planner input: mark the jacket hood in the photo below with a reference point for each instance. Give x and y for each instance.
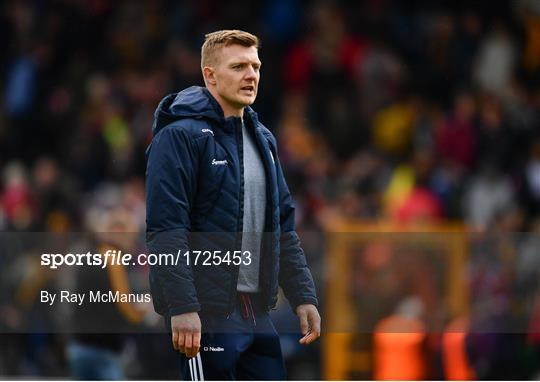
(193, 102)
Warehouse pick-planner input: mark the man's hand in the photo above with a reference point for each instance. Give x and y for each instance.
(186, 333)
(310, 323)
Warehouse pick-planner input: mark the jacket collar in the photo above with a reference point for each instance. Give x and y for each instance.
(225, 123)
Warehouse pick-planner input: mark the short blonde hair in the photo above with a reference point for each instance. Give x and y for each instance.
(214, 41)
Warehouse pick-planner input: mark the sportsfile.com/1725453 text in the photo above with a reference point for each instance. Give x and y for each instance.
(116, 257)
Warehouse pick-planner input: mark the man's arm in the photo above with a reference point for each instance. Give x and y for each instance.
(294, 276)
(170, 188)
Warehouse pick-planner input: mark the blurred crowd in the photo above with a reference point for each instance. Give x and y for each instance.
(413, 112)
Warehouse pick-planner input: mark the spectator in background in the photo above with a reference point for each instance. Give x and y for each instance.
(495, 62)
(496, 142)
(18, 203)
(456, 141)
(488, 193)
(392, 127)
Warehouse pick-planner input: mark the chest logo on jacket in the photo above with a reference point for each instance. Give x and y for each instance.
(219, 162)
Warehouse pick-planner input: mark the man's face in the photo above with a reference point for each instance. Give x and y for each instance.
(236, 74)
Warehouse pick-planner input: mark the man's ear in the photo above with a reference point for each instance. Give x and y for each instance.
(209, 76)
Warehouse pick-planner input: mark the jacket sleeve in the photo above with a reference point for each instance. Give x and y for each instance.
(294, 275)
(170, 188)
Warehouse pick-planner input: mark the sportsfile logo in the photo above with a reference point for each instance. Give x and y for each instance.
(211, 348)
(219, 162)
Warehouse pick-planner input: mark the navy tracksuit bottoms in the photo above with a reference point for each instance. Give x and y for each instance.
(243, 346)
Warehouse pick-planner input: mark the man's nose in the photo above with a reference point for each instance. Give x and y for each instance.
(251, 73)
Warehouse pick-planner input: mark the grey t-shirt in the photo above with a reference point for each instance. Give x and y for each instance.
(254, 214)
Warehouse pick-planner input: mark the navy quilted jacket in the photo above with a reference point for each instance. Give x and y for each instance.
(194, 184)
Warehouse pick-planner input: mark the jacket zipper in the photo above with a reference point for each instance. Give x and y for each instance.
(239, 145)
(267, 238)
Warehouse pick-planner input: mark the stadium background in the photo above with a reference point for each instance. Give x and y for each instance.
(407, 113)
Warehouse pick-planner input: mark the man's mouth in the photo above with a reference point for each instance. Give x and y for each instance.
(248, 88)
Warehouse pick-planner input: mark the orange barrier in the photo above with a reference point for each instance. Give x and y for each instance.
(398, 349)
(455, 360)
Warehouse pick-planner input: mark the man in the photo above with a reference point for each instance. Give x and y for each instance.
(213, 169)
